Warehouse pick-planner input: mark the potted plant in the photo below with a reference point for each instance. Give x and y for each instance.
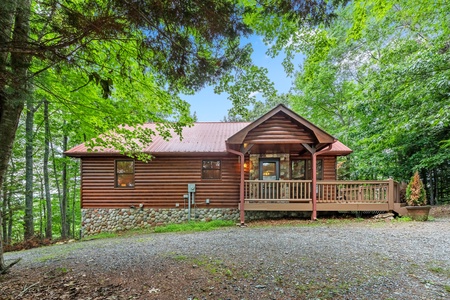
(416, 199)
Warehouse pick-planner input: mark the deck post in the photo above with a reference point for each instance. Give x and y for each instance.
(391, 194)
(314, 183)
(312, 150)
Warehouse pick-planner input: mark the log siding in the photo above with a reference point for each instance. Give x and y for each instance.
(160, 183)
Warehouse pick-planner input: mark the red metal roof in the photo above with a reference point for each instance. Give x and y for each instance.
(202, 137)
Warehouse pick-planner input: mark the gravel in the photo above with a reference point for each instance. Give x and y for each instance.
(343, 260)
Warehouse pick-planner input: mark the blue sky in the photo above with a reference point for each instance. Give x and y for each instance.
(212, 107)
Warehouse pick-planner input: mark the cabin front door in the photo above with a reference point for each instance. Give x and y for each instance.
(269, 169)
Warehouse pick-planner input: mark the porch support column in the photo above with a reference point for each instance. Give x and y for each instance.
(314, 183)
(312, 150)
(241, 190)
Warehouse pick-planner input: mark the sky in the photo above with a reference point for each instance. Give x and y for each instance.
(211, 107)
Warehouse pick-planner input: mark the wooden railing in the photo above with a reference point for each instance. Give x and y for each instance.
(278, 190)
(353, 191)
(283, 191)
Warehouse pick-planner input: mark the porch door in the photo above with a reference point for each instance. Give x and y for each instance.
(269, 169)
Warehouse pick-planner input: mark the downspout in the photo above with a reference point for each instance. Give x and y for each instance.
(241, 191)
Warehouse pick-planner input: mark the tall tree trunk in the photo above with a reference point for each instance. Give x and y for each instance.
(48, 199)
(41, 207)
(28, 218)
(73, 202)
(15, 19)
(10, 221)
(3, 201)
(2, 261)
(8, 197)
(64, 203)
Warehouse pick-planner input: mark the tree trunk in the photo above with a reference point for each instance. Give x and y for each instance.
(2, 262)
(3, 212)
(15, 19)
(10, 222)
(73, 202)
(41, 207)
(48, 199)
(64, 204)
(8, 197)
(28, 218)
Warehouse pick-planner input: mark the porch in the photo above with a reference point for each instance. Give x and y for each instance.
(296, 195)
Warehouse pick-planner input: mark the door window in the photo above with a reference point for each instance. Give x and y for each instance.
(269, 169)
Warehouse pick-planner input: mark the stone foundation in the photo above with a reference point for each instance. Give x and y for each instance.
(96, 220)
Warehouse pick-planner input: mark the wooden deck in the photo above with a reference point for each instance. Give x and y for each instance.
(296, 195)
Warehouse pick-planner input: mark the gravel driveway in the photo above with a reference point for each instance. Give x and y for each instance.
(350, 260)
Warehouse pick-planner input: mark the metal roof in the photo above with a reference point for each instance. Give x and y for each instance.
(202, 137)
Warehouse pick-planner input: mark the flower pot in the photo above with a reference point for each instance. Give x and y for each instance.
(418, 213)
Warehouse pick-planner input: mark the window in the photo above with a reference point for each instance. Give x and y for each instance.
(211, 169)
(301, 169)
(124, 173)
(269, 168)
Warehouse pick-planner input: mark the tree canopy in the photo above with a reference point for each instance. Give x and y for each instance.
(378, 77)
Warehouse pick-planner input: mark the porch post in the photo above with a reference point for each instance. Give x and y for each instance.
(314, 182)
(242, 183)
(391, 194)
(312, 149)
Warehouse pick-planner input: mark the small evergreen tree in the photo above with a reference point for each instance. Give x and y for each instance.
(415, 192)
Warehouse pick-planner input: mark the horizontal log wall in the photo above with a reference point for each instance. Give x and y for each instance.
(329, 167)
(278, 129)
(160, 183)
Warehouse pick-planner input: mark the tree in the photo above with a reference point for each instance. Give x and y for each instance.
(48, 202)
(379, 76)
(258, 109)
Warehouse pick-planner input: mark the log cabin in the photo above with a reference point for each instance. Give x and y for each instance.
(281, 164)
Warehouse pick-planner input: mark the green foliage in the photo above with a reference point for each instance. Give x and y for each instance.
(382, 87)
(415, 191)
(184, 227)
(103, 235)
(194, 226)
(403, 219)
(258, 109)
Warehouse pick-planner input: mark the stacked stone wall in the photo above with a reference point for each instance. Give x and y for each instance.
(97, 220)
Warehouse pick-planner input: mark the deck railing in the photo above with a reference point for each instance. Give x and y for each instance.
(284, 191)
(278, 190)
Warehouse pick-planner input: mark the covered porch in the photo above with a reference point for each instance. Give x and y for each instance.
(289, 164)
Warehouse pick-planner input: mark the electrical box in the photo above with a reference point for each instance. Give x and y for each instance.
(191, 187)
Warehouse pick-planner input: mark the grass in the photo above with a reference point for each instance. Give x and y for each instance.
(102, 235)
(402, 219)
(194, 226)
(182, 227)
(440, 270)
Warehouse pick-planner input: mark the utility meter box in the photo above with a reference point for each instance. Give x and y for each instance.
(191, 187)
